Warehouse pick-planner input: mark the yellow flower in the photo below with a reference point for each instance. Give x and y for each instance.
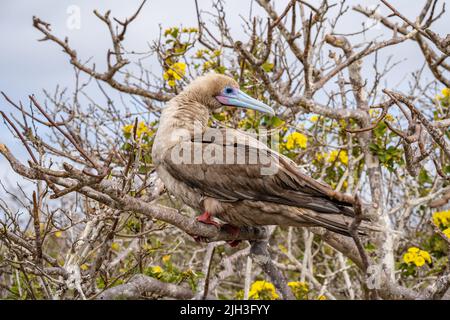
(296, 139)
(262, 290)
(442, 219)
(321, 297)
(447, 232)
(207, 65)
(320, 156)
(167, 31)
(179, 69)
(283, 249)
(408, 257)
(417, 257)
(446, 92)
(142, 129)
(343, 157)
(314, 118)
(425, 255)
(58, 234)
(84, 267)
(128, 128)
(166, 258)
(419, 261)
(175, 72)
(299, 289)
(414, 250)
(332, 156)
(157, 270)
(115, 246)
(298, 285)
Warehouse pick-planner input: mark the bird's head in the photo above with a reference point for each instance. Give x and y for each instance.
(217, 90)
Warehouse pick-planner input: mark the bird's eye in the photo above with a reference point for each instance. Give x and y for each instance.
(229, 90)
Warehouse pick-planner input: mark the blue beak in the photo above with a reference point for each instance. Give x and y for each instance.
(240, 99)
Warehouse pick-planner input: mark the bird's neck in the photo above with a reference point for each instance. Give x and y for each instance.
(181, 119)
(183, 112)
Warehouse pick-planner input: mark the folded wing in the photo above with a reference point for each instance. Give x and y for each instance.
(230, 166)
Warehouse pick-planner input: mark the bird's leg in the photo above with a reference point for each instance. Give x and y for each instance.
(205, 218)
(234, 231)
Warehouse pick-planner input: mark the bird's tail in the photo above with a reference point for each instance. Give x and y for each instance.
(339, 223)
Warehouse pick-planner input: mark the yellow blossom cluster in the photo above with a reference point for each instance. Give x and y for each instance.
(189, 30)
(416, 256)
(262, 290)
(174, 72)
(175, 31)
(296, 139)
(445, 94)
(333, 155)
(296, 285)
(299, 289)
(157, 270)
(141, 130)
(442, 220)
(447, 232)
(314, 118)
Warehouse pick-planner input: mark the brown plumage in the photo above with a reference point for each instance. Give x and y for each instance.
(237, 193)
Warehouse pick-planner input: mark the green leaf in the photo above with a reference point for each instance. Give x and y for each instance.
(374, 147)
(126, 146)
(221, 69)
(276, 122)
(424, 177)
(175, 32)
(447, 169)
(267, 66)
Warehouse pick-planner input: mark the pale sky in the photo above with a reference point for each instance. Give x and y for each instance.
(27, 66)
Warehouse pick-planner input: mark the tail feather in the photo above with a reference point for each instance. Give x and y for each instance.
(339, 223)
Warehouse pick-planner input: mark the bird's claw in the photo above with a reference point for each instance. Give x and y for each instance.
(200, 239)
(205, 218)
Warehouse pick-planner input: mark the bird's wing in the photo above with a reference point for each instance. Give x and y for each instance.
(269, 177)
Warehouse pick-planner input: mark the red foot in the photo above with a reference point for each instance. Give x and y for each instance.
(234, 231)
(205, 218)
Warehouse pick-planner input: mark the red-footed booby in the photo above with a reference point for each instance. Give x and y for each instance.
(204, 167)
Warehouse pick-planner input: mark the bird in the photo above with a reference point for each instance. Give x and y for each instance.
(190, 157)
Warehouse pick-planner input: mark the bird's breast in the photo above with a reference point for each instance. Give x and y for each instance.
(179, 189)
